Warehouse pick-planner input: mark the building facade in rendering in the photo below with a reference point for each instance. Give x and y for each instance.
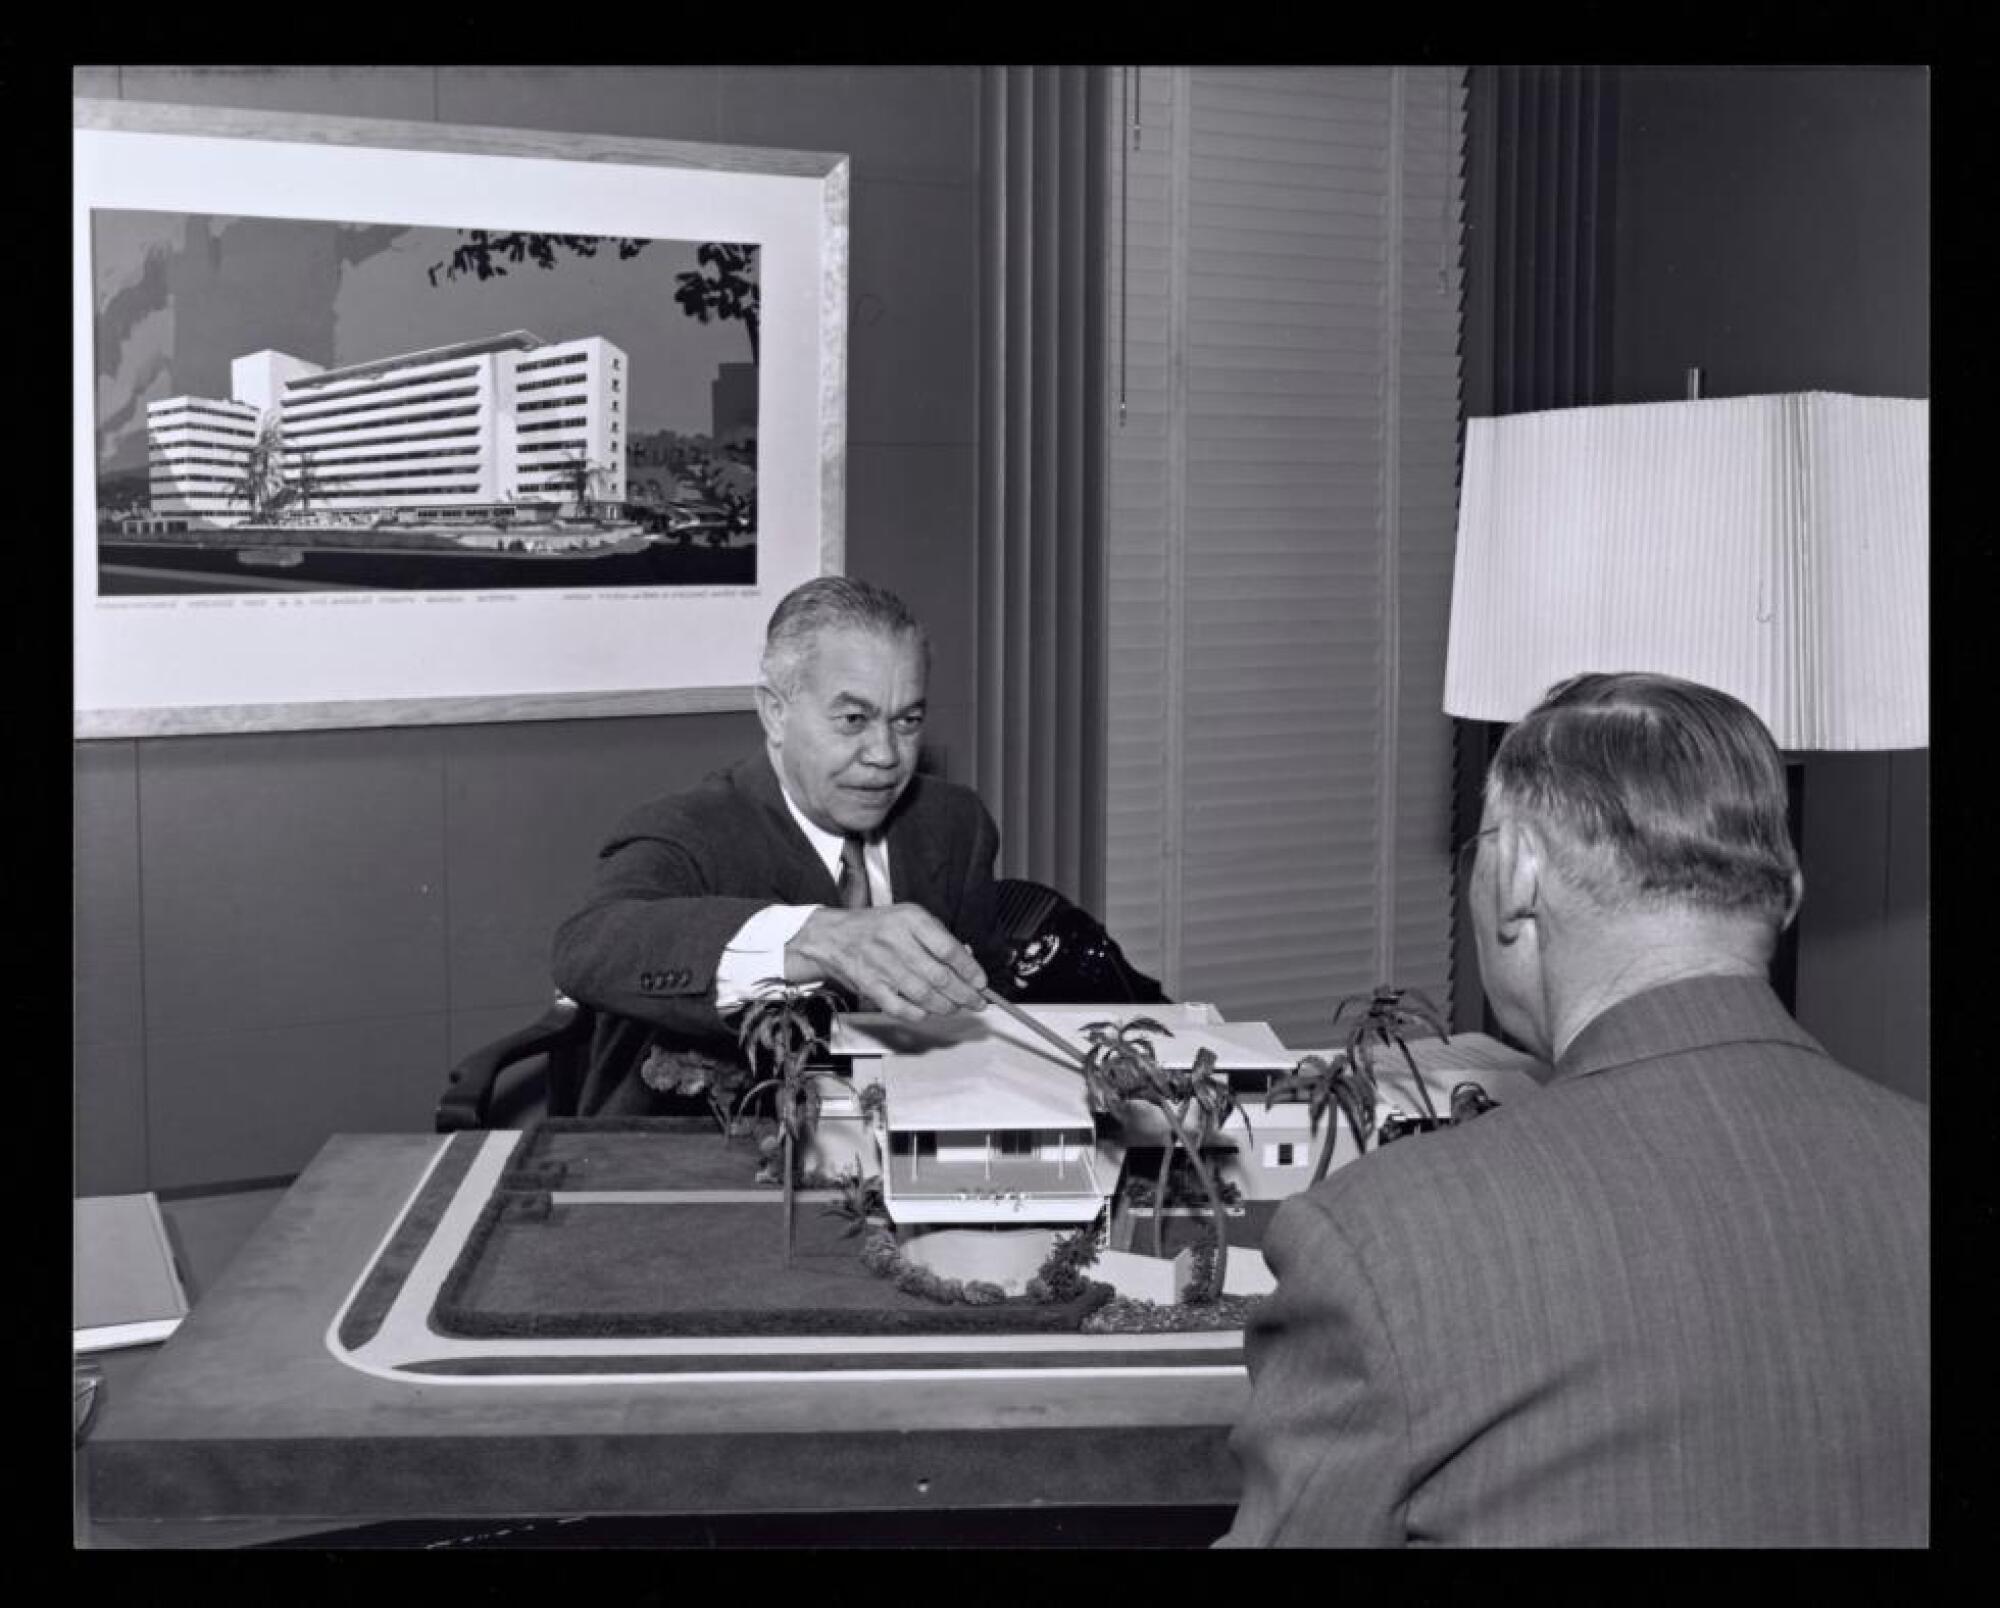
(197, 455)
(453, 434)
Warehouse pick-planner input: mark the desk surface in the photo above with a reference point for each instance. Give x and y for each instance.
(247, 1415)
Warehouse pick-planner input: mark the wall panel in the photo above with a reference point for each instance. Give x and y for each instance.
(241, 1104)
(291, 881)
(526, 807)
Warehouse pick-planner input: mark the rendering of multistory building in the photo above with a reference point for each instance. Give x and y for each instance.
(197, 455)
(454, 433)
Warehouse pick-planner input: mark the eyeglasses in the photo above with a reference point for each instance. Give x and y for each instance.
(1462, 856)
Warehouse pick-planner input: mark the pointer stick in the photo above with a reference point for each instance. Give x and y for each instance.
(1047, 1032)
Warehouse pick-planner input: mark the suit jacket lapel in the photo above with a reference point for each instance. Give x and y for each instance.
(917, 865)
(919, 868)
(796, 867)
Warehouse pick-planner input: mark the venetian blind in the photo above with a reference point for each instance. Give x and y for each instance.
(1283, 378)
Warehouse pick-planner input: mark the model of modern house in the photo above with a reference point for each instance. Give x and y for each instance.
(453, 434)
(984, 1127)
(986, 1135)
(987, 1149)
(979, 1092)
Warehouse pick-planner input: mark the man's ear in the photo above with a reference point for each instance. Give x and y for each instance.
(1798, 894)
(1519, 858)
(771, 712)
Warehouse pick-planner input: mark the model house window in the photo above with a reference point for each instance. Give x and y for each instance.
(1016, 1142)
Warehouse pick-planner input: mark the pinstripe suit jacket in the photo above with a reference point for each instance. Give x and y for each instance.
(1679, 1296)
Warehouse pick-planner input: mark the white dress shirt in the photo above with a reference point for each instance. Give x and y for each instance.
(757, 951)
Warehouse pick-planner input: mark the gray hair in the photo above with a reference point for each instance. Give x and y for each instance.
(1654, 791)
(831, 603)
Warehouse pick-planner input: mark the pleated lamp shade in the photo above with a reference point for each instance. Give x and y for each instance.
(1775, 547)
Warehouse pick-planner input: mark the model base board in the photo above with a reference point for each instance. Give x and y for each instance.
(602, 1312)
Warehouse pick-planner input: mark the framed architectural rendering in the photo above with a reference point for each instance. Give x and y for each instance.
(397, 423)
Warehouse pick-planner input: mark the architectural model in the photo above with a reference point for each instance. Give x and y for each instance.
(987, 1149)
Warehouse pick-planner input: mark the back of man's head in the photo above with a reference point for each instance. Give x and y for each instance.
(831, 603)
(1653, 793)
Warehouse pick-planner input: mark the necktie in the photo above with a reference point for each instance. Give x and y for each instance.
(853, 876)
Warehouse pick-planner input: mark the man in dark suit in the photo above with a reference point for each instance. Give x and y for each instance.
(825, 858)
(1679, 1296)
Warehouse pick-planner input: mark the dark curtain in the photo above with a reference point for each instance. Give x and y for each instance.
(1541, 153)
(1040, 750)
(1541, 170)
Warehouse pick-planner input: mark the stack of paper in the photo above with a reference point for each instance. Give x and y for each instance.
(127, 1290)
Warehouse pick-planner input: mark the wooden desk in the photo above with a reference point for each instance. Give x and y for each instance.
(245, 1425)
(246, 1428)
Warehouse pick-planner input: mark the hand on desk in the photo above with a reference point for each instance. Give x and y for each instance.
(900, 957)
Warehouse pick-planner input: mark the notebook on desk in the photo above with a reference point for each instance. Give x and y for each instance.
(126, 1289)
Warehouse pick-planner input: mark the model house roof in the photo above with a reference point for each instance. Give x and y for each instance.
(1245, 1046)
(973, 1088)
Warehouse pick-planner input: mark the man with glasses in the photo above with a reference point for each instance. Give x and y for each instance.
(825, 858)
(1678, 1297)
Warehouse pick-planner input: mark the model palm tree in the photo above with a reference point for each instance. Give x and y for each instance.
(1333, 1086)
(782, 1028)
(1123, 1067)
(1346, 1080)
(1386, 1016)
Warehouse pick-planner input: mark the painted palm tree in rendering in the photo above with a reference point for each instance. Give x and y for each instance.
(261, 484)
(579, 476)
(304, 482)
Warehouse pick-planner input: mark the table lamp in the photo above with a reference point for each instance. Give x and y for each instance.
(1775, 547)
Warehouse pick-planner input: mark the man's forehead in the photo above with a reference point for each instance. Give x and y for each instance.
(866, 665)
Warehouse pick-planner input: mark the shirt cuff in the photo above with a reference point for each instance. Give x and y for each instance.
(757, 953)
